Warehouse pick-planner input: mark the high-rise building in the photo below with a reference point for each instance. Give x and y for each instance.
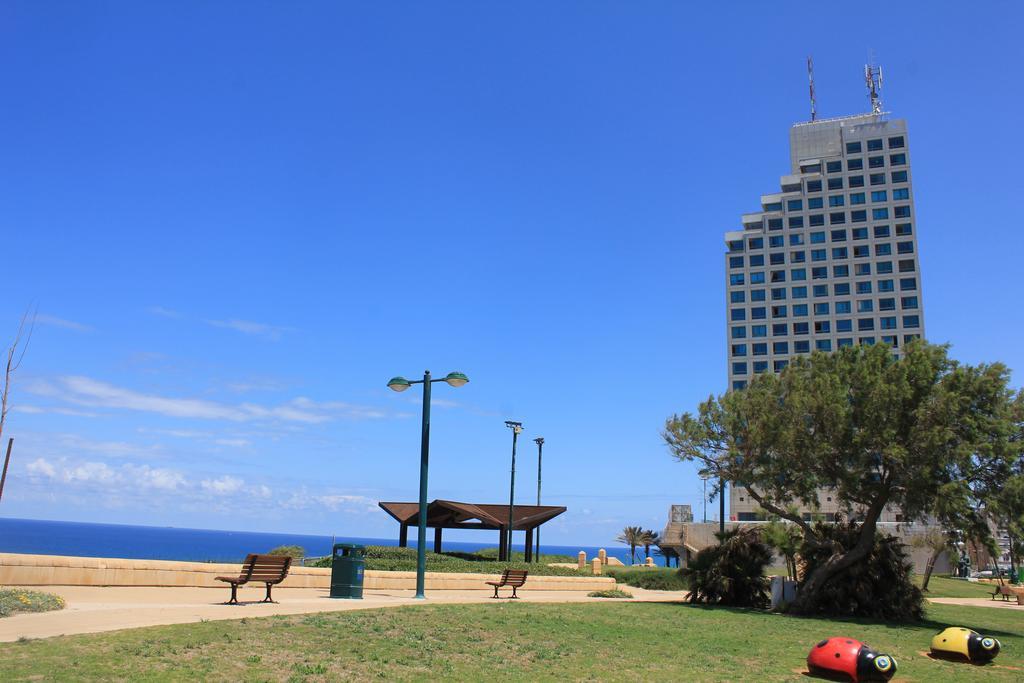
(829, 261)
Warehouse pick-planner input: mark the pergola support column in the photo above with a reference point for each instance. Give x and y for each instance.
(529, 545)
(437, 539)
(403, 535)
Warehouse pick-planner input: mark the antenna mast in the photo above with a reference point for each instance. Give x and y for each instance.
(810, 78)
(873, 82)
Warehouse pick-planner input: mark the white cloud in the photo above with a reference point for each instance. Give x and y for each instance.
(54, 321)
(222, 485)
(54, 410)
(92, 393)
(41, 467)
(272, 332)
(233, 443)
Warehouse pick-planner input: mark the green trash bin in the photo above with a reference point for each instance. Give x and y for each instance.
(347, 571)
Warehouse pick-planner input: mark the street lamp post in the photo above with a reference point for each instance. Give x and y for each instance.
(516, 428)
(455, 379)
(540, 451)
(705, 480)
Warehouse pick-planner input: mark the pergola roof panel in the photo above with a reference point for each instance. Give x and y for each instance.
(450, 514)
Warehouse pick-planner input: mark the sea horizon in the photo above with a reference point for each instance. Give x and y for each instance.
(146, 542)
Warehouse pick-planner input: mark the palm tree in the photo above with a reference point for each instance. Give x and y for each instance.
(650, 538)
(632, 536)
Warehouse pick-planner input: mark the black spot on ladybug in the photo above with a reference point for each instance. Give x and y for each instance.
(849, 642)
(838, 655)
(823, 643)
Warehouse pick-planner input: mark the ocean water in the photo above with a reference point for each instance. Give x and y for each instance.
(39, 537)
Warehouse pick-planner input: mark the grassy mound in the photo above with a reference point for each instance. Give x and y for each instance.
(611, 593)
(14, 600)
(651, 578)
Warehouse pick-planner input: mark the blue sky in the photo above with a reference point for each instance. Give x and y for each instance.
(238, 220)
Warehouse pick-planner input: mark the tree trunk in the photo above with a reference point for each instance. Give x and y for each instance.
(930, 566)
(808, 595)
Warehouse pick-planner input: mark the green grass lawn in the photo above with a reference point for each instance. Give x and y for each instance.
(945, 587)
(506, 641)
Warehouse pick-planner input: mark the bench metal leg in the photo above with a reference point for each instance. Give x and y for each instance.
(495, 592)
(268, 598)
(514, 596)
(234, 594)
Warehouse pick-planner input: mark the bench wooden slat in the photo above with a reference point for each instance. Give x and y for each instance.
(267, 569)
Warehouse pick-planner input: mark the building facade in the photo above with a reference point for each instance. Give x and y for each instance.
(830, 260)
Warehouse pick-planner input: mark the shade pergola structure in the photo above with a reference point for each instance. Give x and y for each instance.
(450, 514)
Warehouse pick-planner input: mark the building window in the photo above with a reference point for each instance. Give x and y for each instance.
(908, 302)
(774, 206)
(865, 324)
(876, 162)
(855, 181)
(797, 256)
(815, 202)
(896, 142)
(819, 273)
(907, 338)
(874, 145)
(887, 323)
(861, 251)
(899, 176)
(757, 278)
(778, 311)
(814, 186)
(908, 284)
(816, 220)
(844, 325)
(845, 342)
(777, 259)
(837, 218)
(857, 197)
(775, 224)
(735, 261)
(780, 347)
(900, 193)
(867, 341)
(801, 328)
(881, 231)
(737, 297)
(761, 349)
(796, 239)
(902, 212)
(841, 289)
(907, 266)
(799, 310)
(819, 254)
(760, 366)
(817, 238)
(779, 294)
(780, 365)
(834, 167)
(883, 249)
(890, 339)
(864, 287)
(794, 205)
(897, 159)
(739, 349)
(739, 368)
(756, 260)
(903, 229)
(802, 346)
(822, 327)
(905, 247)
(739, 385)
(776, 241)
(865, 306)
(800, 292)
(779, 329)
(885, 285)
(854, 164)
(858, 216)
(755, 243)
(736, 279)
(862, 269)
(911, 321)
(877, 179)
(842, 307)
(796, 222)
(838, 253)
(821, 309)
(738, 314)
(823, 344)
(880, 214)
(797, 274)
(757, 295)
(887, 304)
(839, 235)
(860, 233)
(758, 330)
(853, 147)
(836, 200)
(739, 332)
(879, 196)
(835, 183)
(758, 313)
(841, 270)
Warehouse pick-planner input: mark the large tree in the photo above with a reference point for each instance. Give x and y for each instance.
(875, 430)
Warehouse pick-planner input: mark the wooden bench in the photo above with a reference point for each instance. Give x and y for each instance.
(268, 569)
(510, 577)
(1006, 593)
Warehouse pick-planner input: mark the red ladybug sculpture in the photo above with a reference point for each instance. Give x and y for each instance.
(851, 657)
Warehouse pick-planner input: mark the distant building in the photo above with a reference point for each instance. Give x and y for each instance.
(829, 261)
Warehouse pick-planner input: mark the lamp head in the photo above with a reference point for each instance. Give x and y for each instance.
(456, 379)
(516, 427)
(539, 441)
(398, 384)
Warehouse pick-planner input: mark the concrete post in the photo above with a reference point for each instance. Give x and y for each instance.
(603, 555)
(582, 560)
(596, 564)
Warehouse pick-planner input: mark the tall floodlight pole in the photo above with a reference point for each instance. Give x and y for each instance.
(540, 452)
(705, 481)
(721, 504)
(516, 428)
(455, 379)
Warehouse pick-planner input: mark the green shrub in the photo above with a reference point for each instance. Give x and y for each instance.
(14, 600)
(655, 579)
(296, 552)
(879, 586)
(610, 593)
(395, 559)
(732, 572)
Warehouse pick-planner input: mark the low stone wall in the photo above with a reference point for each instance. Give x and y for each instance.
(59, 570)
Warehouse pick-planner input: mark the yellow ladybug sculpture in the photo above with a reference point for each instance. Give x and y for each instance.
(957, 642)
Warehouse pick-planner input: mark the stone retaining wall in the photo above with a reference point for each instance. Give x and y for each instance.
(59, 570)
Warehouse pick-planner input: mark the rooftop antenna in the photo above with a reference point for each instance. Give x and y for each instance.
(810, 78)
(873, 82)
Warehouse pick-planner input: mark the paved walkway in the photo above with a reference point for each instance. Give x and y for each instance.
(92, 609)
(977, 602)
